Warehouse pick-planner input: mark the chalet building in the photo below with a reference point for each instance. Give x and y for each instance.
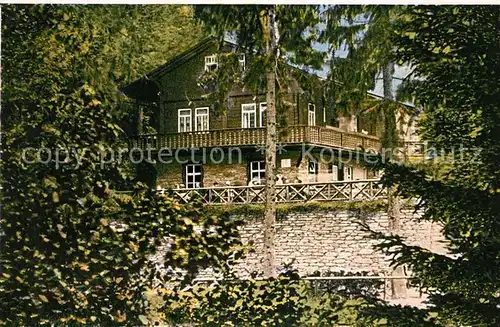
(201, 147)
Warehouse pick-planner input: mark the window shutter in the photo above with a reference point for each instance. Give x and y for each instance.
(202, 177)
(183, 174)
(248, 172)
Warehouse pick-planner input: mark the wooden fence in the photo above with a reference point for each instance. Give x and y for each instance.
(347, 191)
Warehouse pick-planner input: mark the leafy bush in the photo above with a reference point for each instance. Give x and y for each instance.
(287, 300)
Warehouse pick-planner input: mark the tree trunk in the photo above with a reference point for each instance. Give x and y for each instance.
(398, 286)
(270, 207)
(387, 80)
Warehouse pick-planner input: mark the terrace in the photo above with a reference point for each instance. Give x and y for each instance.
(317, 135)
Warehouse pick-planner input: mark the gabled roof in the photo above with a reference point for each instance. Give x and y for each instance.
(146, 89)
(137, 88)
(183, 57)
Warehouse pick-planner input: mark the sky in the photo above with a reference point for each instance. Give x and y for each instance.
(400, 72)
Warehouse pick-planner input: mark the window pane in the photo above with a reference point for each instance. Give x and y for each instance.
(263, 114)
(257, 170)
(197, 169)
(202, 123)
(313, 167)
(184, 120)
(248, 115)
(252, 120)
(333, 170)
(193, 176)
(244, 122)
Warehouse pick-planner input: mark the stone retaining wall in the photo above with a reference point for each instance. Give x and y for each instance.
(333, 240)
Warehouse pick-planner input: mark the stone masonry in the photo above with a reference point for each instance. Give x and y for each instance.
(333, 241)
(330, 241)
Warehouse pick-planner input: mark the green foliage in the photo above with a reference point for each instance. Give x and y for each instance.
(280, 35)
(73, 250)
(219, 83)
(455, 50)
(282, 301)
(247, 24)
(105, 46)
(249, 210)
(366, 32)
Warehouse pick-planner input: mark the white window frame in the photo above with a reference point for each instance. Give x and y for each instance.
(259, 170)
(198, 115)
(242, 61)
(312, 174)
(311, 114)
(191, 173)
(181, 116)
(263, 108)
(248, 109)
(286, 163)
(348, 173)
(335, 172)
(211, 61)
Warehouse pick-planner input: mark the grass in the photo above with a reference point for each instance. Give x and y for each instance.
(255, 210)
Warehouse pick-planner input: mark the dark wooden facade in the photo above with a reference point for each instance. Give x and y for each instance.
(175, 86)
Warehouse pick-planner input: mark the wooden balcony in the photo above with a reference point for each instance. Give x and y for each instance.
(347, 191)
(324, 136)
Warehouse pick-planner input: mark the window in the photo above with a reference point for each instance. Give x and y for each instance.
(242, 61)
(286, 163)
(333, 170)
(312, 170)
(201, 119)
(211, 63)
(263, 108)
(192, 176)
(324, 115)
(348, 173)
(248, 115)
(184, 121)
(311, 117)
(257, 171)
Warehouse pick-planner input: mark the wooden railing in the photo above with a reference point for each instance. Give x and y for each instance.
(347, 191)
(326, 136)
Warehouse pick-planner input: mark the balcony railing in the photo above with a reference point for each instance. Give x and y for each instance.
(326, 136)
(347, 191)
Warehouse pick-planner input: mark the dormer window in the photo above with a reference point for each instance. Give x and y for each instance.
(211, 63)
(241, 60)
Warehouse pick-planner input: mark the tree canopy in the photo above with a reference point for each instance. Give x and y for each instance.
(275, 38)
(74, 248)
(454, 51)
